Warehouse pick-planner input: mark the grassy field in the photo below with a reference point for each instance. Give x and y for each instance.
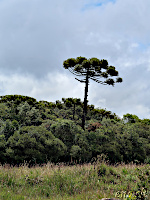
(75, 182)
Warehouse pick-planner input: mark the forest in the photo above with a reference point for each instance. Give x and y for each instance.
(39, 132)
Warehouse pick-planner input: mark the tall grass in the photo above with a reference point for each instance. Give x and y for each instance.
(72, 182)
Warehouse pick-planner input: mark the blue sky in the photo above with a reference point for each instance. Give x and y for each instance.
(98, 3)
(36, 37)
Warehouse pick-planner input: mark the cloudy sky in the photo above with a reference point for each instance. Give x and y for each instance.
(36, 36)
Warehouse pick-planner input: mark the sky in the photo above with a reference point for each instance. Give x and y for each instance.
(36, 36)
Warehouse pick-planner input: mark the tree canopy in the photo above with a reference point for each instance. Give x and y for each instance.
(95, 69)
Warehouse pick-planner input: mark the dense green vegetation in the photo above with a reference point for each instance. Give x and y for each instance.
(41, 132)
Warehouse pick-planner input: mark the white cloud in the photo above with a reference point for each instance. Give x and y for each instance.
(53, 87)
(36, 37)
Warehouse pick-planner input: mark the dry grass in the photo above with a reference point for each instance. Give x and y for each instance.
(68, 182)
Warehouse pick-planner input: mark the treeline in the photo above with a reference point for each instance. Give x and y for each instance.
(40, 132)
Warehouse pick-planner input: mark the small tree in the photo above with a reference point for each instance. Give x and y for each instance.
(95, 69)
(71, 102)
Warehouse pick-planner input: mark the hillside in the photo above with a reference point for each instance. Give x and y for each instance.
(40, 131)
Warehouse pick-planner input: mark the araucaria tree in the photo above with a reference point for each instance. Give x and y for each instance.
(95, 69)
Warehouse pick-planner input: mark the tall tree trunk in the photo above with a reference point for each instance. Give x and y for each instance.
(85, 101)
(74, 108)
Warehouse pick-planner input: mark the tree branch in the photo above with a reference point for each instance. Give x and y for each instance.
(98, 81)
(82, 81)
